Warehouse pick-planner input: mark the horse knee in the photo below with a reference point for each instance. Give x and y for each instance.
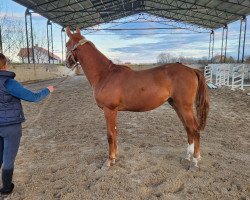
(111, 138)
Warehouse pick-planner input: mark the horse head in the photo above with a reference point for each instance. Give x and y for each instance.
(75, 40)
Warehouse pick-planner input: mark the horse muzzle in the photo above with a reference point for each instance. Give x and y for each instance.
(70, 61)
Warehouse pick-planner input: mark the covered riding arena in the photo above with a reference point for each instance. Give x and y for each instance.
(63, 152)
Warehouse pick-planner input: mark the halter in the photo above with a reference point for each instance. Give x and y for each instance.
(70, 53)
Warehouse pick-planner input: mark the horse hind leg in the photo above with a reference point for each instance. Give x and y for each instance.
(190, 147)
(187, 117)
(191, 127)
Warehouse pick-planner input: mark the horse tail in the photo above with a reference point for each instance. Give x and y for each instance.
(202, 101)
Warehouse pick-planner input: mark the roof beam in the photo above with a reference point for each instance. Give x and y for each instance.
(173, 15)
(211, 8)
(82, 10)
(196, 23)
(204, 13)
(42, 4)
(119, 12)
(188, 9)
(236, 4)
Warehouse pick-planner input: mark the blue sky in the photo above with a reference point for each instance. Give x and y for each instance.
(126, 46)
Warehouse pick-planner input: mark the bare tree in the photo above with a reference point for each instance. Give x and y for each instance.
(168, 58)
(117, 61)
(247, 59)
(39, 48)
(12, 34)
(164, 58)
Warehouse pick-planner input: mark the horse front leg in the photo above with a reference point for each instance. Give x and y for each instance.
(111, 121)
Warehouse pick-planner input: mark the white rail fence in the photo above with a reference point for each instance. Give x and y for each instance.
(208, 73)
(231, 75)
(222, 77)
(238, 77)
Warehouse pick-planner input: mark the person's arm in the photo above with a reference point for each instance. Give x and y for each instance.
(17, 90)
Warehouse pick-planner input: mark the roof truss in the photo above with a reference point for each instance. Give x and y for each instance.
(208, 14)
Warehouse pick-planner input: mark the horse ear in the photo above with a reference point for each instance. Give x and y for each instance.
(68, 31)
(78, 30)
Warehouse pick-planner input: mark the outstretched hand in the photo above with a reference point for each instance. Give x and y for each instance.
(51, 88)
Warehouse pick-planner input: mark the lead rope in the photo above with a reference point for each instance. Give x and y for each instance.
(29, 124)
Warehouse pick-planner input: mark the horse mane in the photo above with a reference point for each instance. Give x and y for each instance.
(120, 67)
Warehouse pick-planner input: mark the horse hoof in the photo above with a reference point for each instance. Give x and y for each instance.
(184, 160)
(185, 163)
(106, 165)
(112, 162)
(193, 168)
(188, 159)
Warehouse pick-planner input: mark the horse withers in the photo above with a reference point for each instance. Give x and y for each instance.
(119, 88)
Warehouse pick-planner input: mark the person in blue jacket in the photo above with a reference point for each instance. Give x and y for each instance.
(11, 117)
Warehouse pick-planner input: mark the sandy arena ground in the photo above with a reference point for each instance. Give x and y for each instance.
(61, 155)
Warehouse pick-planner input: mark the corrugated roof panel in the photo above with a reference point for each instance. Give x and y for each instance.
(210, 14)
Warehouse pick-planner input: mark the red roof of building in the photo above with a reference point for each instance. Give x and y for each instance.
(24, 52)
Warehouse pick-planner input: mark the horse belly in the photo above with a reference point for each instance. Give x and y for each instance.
(144, 101)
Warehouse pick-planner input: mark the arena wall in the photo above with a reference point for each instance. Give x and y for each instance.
(30, 73)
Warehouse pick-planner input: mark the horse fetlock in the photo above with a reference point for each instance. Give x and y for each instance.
(188, 157)
(109, 162)
(190, 149)
(117, 152)
(194, 165)
(195, 161)
(112, 160)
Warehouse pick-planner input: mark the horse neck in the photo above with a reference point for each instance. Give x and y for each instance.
(94, 64)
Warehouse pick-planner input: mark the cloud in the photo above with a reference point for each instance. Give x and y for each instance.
(171, 43)
(189, 45)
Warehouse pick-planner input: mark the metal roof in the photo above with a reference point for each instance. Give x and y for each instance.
(86, 13)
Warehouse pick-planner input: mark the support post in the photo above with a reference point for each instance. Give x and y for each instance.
(243, 20)
(244, 40)
(222, 43)
(224, 48)
(211, 46)
(62, 31)
(48, 23)
(51, 32)
(238, 60)
(1, 43)
(210, 38)
(32, 40)
(65, 40)
(27, 34)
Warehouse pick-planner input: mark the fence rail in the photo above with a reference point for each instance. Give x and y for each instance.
(238, 77)
(226, 75)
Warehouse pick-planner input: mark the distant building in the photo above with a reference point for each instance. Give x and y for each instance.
(40, 54)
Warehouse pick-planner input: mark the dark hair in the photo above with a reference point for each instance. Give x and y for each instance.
(3, 60)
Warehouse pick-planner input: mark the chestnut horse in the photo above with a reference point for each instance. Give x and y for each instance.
(119, 88)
